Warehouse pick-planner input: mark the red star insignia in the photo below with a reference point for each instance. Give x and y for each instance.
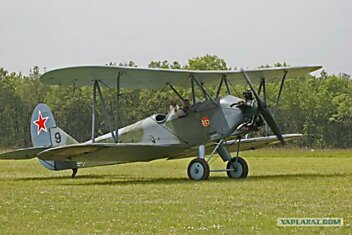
(41, 123)
(205, 121)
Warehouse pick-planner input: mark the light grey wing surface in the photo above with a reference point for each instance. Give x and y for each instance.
(133, 152)
(259, 142)
(25, 153)
(246, 144)
(110, 152)
(150, 78)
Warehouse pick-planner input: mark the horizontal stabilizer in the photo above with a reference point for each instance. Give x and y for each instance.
(26, 153)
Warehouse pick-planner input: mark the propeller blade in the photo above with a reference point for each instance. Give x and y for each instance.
(271, 122)
(264, 110)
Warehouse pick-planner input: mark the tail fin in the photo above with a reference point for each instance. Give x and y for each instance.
(45, 133)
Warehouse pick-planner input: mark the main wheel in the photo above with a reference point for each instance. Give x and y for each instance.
(198, 169)
(237, 170)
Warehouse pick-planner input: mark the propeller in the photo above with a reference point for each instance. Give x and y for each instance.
(264, 110)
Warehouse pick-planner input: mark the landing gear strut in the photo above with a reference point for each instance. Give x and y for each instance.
(74, 172)
(237, 168)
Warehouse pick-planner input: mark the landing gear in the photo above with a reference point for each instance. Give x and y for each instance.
(74, 172)
(237, 168)
(198, 169)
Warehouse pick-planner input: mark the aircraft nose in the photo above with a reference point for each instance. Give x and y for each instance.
(248, 108)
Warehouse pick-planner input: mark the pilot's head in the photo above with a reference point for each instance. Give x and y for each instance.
(186, 103)
(248, 95)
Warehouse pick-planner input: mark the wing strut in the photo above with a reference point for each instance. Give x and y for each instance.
(106, 114)
(193, 92)
(280, 91)
(176, 92)
(227, 85)
(94, 109)
(108, 119)
(262, 86)
(223, 80)
(117, 106)
(202, 88)
(219, 88)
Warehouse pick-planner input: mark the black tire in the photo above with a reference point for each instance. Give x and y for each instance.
(241, 170)
(198, 169)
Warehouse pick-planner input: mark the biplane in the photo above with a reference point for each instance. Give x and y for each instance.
(200, 128)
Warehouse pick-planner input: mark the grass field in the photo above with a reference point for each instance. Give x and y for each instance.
(157, 197)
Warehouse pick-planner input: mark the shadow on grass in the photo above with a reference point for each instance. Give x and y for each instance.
(298, 176)
(68, 177)
(118, 179)
(123, 180)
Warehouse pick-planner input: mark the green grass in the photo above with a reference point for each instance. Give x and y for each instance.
(157, 197)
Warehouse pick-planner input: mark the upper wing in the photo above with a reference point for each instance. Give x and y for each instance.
(110, 152)
(142, 78)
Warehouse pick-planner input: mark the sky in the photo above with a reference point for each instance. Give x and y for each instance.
(52, 34)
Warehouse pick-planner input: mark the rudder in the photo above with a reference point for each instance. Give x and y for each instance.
(45, 133)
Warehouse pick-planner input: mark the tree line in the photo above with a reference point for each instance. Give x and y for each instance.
(318, 107)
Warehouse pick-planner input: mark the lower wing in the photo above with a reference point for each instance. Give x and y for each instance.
(26, 153)
(258, 142)
(232, 145)
(98, 152)
(118, 153)
(133, 152)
